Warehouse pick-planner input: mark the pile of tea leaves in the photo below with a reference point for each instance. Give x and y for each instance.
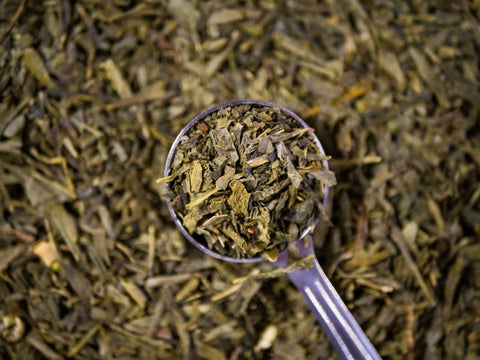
(248, 179)
(92, 96)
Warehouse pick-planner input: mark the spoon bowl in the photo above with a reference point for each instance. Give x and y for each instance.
(171, 155)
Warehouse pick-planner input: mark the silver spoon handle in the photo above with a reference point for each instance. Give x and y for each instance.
(338, 323)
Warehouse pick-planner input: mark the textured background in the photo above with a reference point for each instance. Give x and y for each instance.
(92, 94)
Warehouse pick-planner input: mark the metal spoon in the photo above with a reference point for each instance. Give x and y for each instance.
(338, 323)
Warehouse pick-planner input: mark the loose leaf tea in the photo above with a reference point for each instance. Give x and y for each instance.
(247, 179)
(92, 95)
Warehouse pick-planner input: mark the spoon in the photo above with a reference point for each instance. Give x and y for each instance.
(336, 320)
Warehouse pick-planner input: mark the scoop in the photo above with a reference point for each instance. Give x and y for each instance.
(338, 323)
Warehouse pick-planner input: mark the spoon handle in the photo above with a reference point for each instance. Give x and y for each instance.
(338, 323)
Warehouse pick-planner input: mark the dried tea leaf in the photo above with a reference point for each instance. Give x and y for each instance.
(77, 280)
(114, 75)
(36, 65)
(14, 127)
(224, 180)
(9, 254)
(239, 241)
(195, 176)
(426, 72)
(135, 293)
(239, 199)
(224, 16)
(209, 352)
(74, 349)
(36, 341)
(389, 62)
(285, 156)
(326, 176)
(67, 227)
(201, 198)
